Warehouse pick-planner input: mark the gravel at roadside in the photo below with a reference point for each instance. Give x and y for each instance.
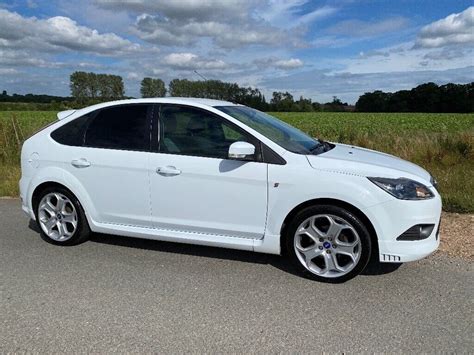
(457, 235)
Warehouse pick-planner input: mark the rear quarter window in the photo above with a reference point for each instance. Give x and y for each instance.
(72, 133)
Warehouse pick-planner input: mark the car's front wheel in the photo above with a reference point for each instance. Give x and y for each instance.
(61, 218)
(328, 243)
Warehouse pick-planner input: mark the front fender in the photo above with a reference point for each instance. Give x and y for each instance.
(287, 191)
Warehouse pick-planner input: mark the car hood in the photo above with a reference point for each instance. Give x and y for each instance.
(353, 160)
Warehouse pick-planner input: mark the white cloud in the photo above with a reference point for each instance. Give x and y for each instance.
(58, 34)
(292, 63)
(269, 63)
(286, 13)
(319, 13)
(447, 54)
(455, 29)
(190, 61)
(171, 32)
(133, 76)
(228, 24)
(200, 10)
(8, 71)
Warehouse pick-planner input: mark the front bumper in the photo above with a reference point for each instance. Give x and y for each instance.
(392, 218)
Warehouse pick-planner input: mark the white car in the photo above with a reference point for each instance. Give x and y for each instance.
(216, 173)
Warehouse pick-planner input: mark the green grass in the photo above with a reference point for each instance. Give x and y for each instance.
(441, 143)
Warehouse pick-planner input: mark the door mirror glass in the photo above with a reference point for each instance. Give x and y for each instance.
(241, 150)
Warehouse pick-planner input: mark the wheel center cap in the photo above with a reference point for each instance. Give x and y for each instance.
(327, 245)
(59, 216)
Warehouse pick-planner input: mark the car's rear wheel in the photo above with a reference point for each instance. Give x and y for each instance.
(328, 243)
(61, 218)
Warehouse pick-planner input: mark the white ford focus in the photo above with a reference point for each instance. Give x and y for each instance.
(216, 173)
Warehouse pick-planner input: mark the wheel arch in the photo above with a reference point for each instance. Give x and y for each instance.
(334, 202)
(35, 197)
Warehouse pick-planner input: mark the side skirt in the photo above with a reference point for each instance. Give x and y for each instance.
(174, 236)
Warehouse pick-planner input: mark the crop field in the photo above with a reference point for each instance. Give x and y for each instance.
(441, 143)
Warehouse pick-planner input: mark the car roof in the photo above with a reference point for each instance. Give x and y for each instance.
(192, 101)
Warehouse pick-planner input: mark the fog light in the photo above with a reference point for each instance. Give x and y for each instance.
(417, 232)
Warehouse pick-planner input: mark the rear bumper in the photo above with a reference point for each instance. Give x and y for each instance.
(391, 219)
(25, 198)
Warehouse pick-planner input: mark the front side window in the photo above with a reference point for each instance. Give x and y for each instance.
(190, 131)
(278, 131)
(125, 127)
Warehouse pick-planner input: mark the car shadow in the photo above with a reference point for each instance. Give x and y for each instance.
(374, 268)
(33, 226)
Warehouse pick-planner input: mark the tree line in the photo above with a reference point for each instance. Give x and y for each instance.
(427, 97)
(90, 88)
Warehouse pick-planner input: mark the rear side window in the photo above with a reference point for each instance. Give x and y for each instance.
(124, 127)
(71, 133)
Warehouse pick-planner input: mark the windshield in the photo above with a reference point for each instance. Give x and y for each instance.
(281, 133)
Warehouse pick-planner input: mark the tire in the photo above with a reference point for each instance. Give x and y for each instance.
(60, 217)
(328, 243)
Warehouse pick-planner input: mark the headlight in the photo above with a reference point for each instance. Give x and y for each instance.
(403, 188)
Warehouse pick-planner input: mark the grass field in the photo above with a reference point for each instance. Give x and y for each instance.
(441, 143)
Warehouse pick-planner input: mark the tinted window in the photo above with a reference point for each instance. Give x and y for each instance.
(124, 127)
(189, 131)
(71, 133)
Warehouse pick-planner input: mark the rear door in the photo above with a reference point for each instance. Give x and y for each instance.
(195, 187)
(112, 163)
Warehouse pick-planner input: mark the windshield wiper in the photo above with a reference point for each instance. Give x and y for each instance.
(321, 147)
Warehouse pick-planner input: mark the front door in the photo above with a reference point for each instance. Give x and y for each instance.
(195, 187)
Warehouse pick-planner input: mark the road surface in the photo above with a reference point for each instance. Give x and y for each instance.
(129, 295)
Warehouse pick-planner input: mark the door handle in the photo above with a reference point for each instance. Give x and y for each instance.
(168, 170)
(81, 163)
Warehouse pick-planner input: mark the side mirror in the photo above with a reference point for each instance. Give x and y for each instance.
(241, 150)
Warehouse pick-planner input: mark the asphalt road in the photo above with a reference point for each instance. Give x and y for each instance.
(129, 295)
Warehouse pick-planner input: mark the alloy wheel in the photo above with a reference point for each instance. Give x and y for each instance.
(57, 216)
(327, 245)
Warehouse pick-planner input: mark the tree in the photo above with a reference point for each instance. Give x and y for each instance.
(78, 85)
(117, 88)
(373, 102)
(91, 86)
(304, 105)
(425, 98)
(282, 101)
(152, 88)
(219, 90)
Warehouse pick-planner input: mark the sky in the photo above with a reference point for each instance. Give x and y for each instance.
(318, 49)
